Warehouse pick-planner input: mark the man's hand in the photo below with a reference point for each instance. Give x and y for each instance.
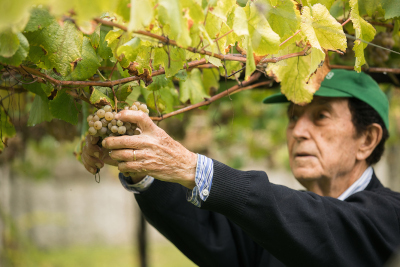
(94, 157)
(152, 153)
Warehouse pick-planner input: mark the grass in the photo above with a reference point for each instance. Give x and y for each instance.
(160, 255)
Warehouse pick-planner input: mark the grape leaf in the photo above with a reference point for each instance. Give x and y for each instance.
(170, 13)
(64, 107)
(153, 98)
(130, 49)
(211, 80)
(9, 43)
(39, 19)
(392, 8)
(125, 90)
(231, 67)
(222, 9)
(6, 128)
(293, 77)
(35, 88)
(321, 29)
(63, 45)
(170, 97)
(47, 89)
(263, 39)
(134, 95)
(171, 64)
(87, 67)
(123, 10)
(213, 25)
(99, 96)
(182, 75)
(326, 3)
(103, 50)
(143, 58)
(250, 63)
(195, 10)
(283, 16)
(95, 37)
(159, 82)
(240, 22)
(40, 111)
(364, 31)
(192, 89)
(20, 55)
(141, 14)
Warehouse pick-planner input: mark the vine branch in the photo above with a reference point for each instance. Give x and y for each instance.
(236, 88)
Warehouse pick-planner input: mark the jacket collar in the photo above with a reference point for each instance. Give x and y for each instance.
(374, 183)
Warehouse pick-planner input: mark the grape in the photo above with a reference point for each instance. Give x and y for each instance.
(114, 122)
(101, 113)
(110, 125)
(89, 118)
(121, 129)
(104, 122)
(109, 116)
(92, 131)
(137, 131)
(127, 125)
(95, 118)
(137, 103)
(130, 132)
(143, 107)
(111, 135)
(119, 123)
(91, 123)
(107, 108)
(98, 125)
(126, 108)
(114, 129)
(103, 131)
(134, 108)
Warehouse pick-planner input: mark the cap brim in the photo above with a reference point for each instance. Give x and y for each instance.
(323, 91)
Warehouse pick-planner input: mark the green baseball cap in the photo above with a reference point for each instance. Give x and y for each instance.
(345, 83)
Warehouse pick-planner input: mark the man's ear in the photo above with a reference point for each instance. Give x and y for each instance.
(369, 140)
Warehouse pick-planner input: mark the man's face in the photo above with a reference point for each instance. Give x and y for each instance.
(321, 139)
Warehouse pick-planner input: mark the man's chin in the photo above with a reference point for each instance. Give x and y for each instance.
(305, 174)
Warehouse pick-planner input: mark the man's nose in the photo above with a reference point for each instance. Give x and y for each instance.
(302, 128)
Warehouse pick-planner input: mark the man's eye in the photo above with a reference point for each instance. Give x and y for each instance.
(321, 116)
(293, 118)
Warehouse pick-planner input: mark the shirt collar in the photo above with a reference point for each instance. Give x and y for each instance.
(358, 185)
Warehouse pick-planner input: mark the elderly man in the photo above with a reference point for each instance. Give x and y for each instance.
(231, 218)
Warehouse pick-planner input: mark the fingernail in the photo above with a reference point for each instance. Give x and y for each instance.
(103, 143)
(98, 165)
(96, 154)
(92, 170)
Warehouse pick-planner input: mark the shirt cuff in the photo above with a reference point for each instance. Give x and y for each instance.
(203, 179)
(141, 186)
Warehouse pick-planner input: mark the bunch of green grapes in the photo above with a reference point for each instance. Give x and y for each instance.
(103, 124)
(379, 55)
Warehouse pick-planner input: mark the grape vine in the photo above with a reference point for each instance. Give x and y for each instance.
(168, 53)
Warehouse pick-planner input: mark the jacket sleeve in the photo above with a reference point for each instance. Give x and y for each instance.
(305, 229)
(205, 237)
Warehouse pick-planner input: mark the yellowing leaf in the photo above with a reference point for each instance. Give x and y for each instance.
(364, 33)
(283, 16)
(240, 22)
(98, 96)
(263, 39)
(321, 29)
(222, 8)
(9, 43)
(192, 88)
(141, 14)
(250, 63)
(326, 3)
(293, 77)
(195, 10)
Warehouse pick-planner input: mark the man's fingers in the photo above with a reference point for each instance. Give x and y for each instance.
(91, 163)
(94, 139)
(124, 142)
(141, 119)
(127, 155)
(132, 166)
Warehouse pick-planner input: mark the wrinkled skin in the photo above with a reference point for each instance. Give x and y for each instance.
(157, 154)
